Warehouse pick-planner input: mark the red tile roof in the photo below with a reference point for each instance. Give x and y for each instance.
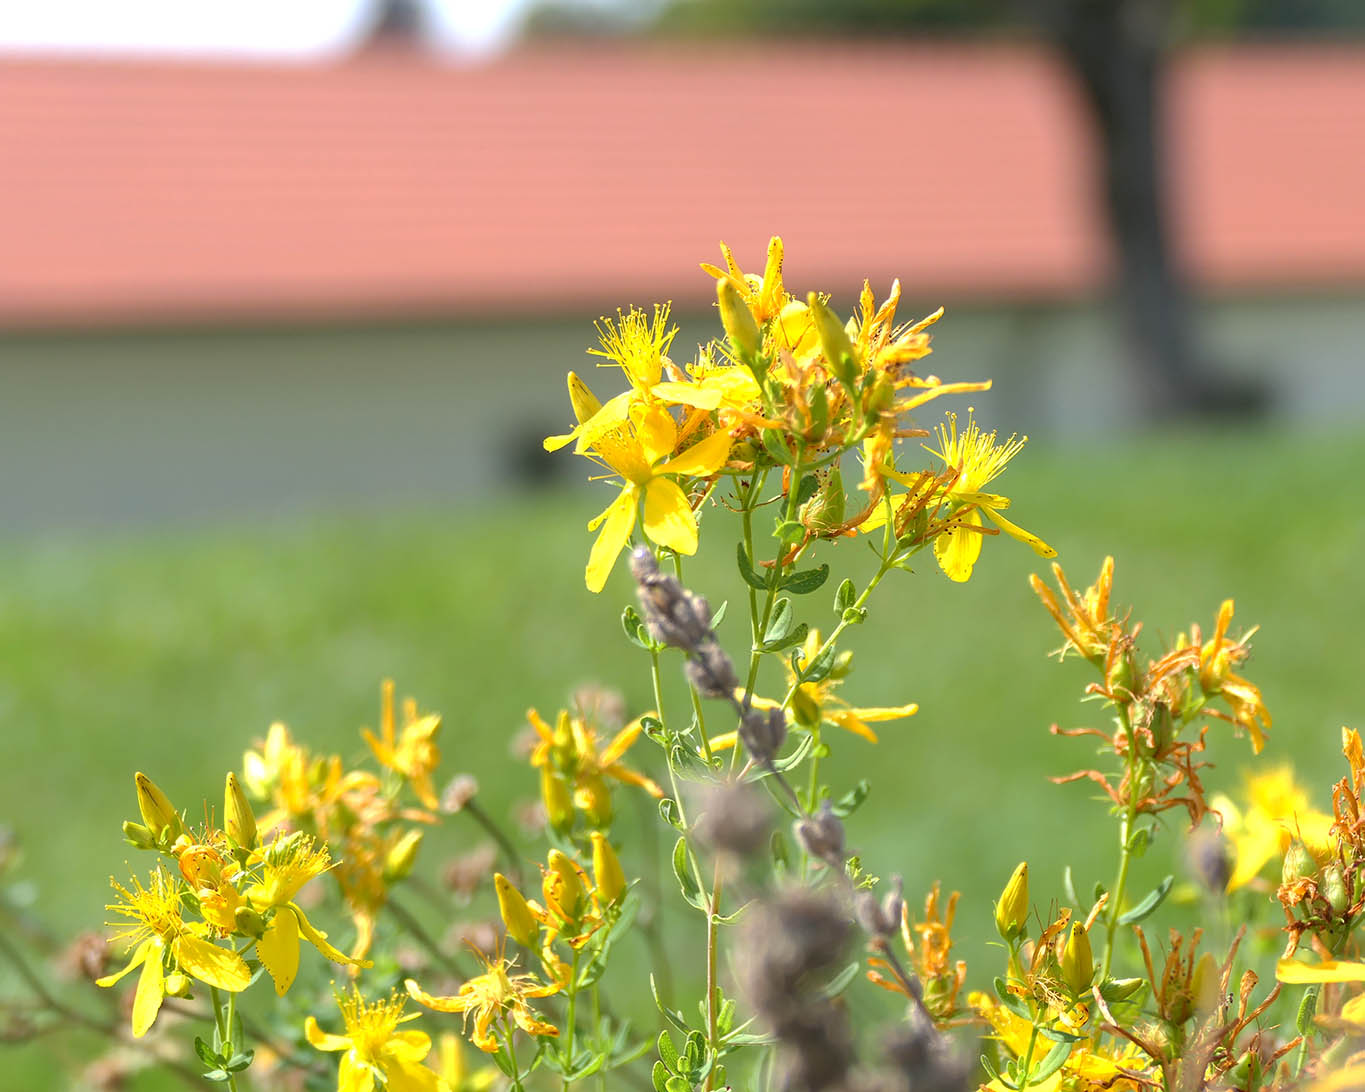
(576, 177)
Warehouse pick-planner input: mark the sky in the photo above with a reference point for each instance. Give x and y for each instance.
(263, 29)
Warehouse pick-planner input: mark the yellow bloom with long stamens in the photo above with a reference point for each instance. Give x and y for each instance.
(288, 864)
(978, 459)
(1217, 657)
(765, 296)
(378, 1054)
(638, 452)
(1277, 812)
(491, 996)
(157, 931)
(414, 753)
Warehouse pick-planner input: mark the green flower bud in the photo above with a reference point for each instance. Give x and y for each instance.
(737, 319)
(835, 343)
(1333, 888)
(250, 923)
(1298, 863)
(1011, 912)
(177, 984)
(138, 836)
(1206, 985)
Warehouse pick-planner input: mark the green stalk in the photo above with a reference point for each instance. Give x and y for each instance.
(1125, 852)
(224, 1028)
(567, 1054)
(510, 1032)
(1028, 1056)
(712, 1032)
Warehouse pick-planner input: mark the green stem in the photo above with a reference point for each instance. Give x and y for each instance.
(510, 1032)
(712, 1015)
(1125, 850)
(224, 1024)
(567, 1055)
(1028, 1057)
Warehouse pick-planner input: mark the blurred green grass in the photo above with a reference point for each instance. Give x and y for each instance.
(170, 652)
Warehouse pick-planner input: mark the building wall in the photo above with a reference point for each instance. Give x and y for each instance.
(99, 431)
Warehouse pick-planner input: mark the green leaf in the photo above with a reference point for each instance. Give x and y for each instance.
(1308, 1007)
(504, 1063)
(845, 597)
(668, 1053)
(206, 1053)
(719, 616)
(590, 1065)
(1010, 1001)
(773, 445)
(839, 983)
(668, 808)
(1069, 887)
(686, 881)
(240, 1061)
(795, 637)
(806, 581)
(854, 616)
(1055, 1059)
(789, 531)
(847, 804)
(673, 1016)
(677, 1084)
(810, 485)
(1137, 844)
(815, 671)
(634, 626)
(1153, 899)
(217, 1075)
(780, 623)
(746, 570)
(659, 1075)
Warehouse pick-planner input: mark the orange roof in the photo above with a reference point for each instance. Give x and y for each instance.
(581, 177)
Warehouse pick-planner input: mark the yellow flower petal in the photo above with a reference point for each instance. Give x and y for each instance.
(619, 522)
(318, 939)
(437, 1004)
(1041, 548)
(140, 953)
(668, 517)
(323, 1040)
(211, 964)
(688, 394)
(1295, 972)
(657, 431)
(278, 949)
(958, 549)
(353, 1075)
(151, 988)
(702, 459)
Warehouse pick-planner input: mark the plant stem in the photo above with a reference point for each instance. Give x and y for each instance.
(224, 1029)
(1125, 850)
(1028, 1057)
(567, 1054)
(498, 835)
(712, 1032)
(511, 1033)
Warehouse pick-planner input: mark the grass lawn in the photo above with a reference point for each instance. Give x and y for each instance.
(170, 652)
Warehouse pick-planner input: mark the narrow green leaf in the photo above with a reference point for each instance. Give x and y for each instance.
(1055, 1059)
(673, 1016)
(206, 1053)
(746, 570)
(845, 597)
(847, 804)
(773, 445)
(1069, 887)
(668, 1053)
(1153, 899)
(795, 637)
(810, 485)
(1308, 1008)
(634, 626)
(780, 623)
(839, 983)
(668, 808)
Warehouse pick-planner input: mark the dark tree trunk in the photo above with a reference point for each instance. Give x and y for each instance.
(1117, 51)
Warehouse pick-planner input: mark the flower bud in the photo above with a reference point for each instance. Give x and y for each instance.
(1333, 888)
(1077, 965)
(138, 836)
(554, 794)
(607, 874)
(1206, 985)
(177, 984)
(563, 887)
(157, 812)
(585, 404)
(517, 918)
(840, 355)
(238, 819)
(1298, 863)
(1011, 912)
(402, 856)
(737, 319)
(594, 800)
(250, 923)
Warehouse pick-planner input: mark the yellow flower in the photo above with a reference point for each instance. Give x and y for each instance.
(414, 754)
(491, 996)
(637, 451)
(289, 863)
(1217, 657)
(815, 703)
(1277, 812)
(978, 459)
(377, 1053)
(764, 296)
(1086, 622)
(158, 930)
(569, 750)
(455, 1072)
